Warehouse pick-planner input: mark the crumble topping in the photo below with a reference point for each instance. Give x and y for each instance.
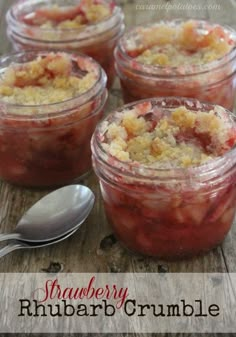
(69, 17)
(45, 80)
(170, 46)
(178, 138)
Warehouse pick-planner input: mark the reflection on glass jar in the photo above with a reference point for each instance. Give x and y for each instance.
(154, 207)
(193, 59)
(44, 133)
(89, 27)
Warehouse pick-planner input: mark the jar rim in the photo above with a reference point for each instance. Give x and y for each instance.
(99, 28)
(145, 172)
(173, 71)
(64, 106)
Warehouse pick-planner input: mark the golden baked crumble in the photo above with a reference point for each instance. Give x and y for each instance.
(181, 138)
(45, 80)
(170, 46)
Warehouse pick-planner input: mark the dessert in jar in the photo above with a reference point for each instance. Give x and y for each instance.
(193, 59)
(50, 104)
(167, 172)
(91, 27)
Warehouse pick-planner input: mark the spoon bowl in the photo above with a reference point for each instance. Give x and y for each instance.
(55, 215)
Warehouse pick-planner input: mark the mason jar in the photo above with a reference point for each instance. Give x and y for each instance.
(170, 213)
(214, 81)
(97, 40)
(49, 144)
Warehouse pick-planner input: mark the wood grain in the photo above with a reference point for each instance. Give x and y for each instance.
(88, 250)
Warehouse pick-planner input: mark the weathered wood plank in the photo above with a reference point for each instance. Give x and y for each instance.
(5, 45)
(225, 14)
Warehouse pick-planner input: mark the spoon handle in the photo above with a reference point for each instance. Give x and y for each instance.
(10, 236)
(9, 248)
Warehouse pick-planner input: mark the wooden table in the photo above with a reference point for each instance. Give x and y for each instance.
(91, 249)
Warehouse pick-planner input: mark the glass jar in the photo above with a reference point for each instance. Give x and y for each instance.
(96, 40)
(213, 82)
(49, 144)
(168, 213)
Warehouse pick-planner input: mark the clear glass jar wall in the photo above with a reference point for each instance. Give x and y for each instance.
(170, 213)
(49, 145)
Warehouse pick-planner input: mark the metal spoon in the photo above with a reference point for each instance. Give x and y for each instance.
(55, 215)
(21, 244)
